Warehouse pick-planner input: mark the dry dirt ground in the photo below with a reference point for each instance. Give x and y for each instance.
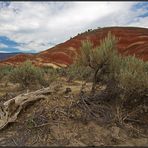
(58, 121)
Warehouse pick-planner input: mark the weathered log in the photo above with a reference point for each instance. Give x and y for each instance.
(10, 110)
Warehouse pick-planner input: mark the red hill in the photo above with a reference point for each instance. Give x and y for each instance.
(132, 40)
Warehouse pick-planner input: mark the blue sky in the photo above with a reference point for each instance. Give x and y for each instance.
(37, 26)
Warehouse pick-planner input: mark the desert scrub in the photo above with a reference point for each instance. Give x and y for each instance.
(128, 75)
(27, 75)
(51, 74)
(76, 72)
(133, 77)
(99, 58)
(5, 71)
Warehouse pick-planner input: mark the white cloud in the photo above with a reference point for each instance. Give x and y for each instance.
(140, 22)
(3, 45)
(1, 51)
(37, 24)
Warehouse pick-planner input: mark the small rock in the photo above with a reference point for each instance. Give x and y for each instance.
(68, 90)
(115, 132)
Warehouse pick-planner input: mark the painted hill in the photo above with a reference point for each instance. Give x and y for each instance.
(132, 41)
(4, 56)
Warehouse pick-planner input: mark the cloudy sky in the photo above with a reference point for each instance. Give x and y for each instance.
(37, 26)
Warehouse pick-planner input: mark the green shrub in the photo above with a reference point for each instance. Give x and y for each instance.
(62, 72)
(76, 72)
(5, 71)
(129, 74)
(100, 58)
(27, 75)
(51, 74)
(133, 76)
(49, 70)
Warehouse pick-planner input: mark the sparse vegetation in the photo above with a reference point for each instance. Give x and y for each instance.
(27, 75)
(126, 78)
(119, 100)
(130, 73)
(133, 74)
(133, 78)
(76, 72)
(89, 30)
(51, 74)
(5, 71)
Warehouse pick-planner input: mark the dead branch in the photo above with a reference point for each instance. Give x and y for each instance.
(10, 110)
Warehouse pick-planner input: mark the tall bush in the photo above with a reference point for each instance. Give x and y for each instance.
(128, 74)
(133, 76)
(99, 58)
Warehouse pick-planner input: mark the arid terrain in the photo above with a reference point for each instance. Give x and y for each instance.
(60, 121)
(45, 106)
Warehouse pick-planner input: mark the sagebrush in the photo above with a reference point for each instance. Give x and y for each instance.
(27, 75)
(5, 71)
(126, 73)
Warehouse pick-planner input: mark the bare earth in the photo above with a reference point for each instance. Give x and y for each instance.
(59, 121)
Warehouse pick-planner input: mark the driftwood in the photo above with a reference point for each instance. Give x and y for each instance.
(10, 110)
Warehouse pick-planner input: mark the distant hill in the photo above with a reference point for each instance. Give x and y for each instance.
(4, 56)
(133, 41)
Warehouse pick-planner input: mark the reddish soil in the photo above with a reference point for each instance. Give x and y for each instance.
(15, 60)
(132, 40)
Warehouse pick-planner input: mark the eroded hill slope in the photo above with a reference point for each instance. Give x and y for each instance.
(132, 41)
